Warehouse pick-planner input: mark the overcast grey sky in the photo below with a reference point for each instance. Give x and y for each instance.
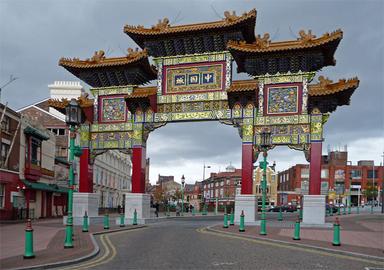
(34, 35)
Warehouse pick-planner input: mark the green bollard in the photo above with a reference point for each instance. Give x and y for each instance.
(301, 213)
(280, 217)
(349, 210)
(28, 254)
(225, 220)
(296, 235)
(357, 210)
(331, 212)
(338, 211)
(344, 210)
(232, 218)
(326, 212)
(106, 222)
(241, 227)
(336, 233)
(122, 217)
(134, 218)
(168, 211)
(193, 212)
(85, 222)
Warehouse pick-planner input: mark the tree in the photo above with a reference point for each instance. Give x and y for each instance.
(370, 192)
(177, 195)
(158, 195)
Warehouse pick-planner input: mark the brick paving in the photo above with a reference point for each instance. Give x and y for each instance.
(362, 234)
(48, 243)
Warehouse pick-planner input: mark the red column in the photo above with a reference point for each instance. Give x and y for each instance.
(315, 169)
(247, 168)
(86, 173)
(138, 169)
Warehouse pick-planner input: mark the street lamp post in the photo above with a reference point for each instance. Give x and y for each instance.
(349, 188)
(182, 194)
(373, 187)
(265, 144)
(73, 117)
(205, 167)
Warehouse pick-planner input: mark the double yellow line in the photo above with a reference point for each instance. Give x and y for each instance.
(287, 246)
(109, 252)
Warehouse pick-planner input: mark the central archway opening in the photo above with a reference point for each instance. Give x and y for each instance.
(197, 151)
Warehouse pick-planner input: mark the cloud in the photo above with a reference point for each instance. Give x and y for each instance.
(34, 35)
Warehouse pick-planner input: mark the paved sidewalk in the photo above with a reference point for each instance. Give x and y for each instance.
(49, 238)
(363, 234)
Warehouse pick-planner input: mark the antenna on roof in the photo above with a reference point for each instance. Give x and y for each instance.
(276, 33)
(11, 79)
(174, 21)
(290, 30)
(214, 10)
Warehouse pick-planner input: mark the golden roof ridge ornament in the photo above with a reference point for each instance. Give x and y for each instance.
(161, 25)
(306, 37)
(262, 42)
(324, 82)
(97, 57)
(228, 17)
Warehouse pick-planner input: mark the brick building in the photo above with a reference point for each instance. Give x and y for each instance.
(338, 177)
(222, 186)
(9, 161)
(271, 184)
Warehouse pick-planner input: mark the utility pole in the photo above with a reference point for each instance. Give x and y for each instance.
(382, 187)
(11, 79)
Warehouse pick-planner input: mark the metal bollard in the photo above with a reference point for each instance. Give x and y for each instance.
(28, 254)
(241, 227)
(106, 222)
(225, 220)
(85, 222)
(280, 217)
(122, 217)
(232, 218)
(134, 218)
(344, 210)
(336, 233)
(296, 234)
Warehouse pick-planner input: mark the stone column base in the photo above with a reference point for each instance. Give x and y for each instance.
(248, 204)
(314, 210)
(140, 202)
(85, 202)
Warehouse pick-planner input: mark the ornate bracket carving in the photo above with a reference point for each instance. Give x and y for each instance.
(126, 151)
(149, 127)
(237, 123)
(305, 147)
(94, 154)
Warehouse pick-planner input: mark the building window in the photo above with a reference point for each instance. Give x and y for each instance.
(356, 173)
(5, 124)
(304, 173)
(324, 173)
(372, 174)
(2, 197)
(35, 151)
(4, 153)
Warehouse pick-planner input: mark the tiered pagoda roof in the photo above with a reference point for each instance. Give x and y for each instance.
(326, 95)
(163, 39)
(99, 71)
(142, 97)
(307, 53)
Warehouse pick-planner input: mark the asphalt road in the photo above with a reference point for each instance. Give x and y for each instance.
(179, 244)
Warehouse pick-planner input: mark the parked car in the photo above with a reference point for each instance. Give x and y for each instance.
(284, 208)
(332, 207)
